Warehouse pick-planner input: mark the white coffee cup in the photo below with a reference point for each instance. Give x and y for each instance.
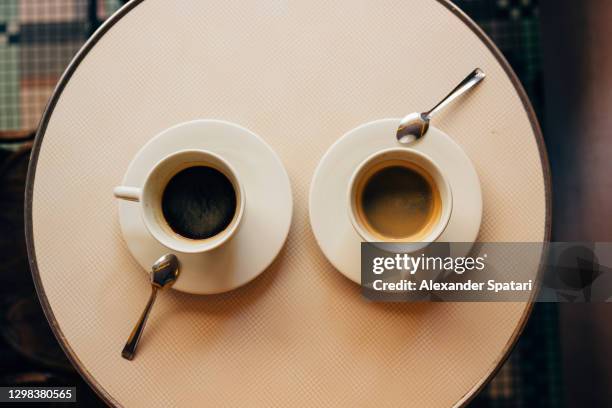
(149, 196)
(414, 159)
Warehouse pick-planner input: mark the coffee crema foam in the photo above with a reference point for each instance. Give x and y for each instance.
(397, 200)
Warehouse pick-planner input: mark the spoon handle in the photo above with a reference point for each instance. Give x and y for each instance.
(130, 347)
(468, 83)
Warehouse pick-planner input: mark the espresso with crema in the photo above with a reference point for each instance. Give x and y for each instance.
(398, 200)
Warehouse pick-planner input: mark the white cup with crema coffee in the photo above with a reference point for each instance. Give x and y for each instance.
(399, 196)
(191, 201)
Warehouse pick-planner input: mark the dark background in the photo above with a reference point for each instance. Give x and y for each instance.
(560, 49)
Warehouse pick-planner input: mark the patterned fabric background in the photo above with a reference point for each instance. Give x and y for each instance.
(38, 38)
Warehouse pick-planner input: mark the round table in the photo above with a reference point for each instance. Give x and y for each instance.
(299, 74)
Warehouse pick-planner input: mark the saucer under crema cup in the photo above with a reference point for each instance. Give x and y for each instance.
(149, 197)
(414, 159)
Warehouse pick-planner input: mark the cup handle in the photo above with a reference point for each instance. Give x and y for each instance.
(128, 193)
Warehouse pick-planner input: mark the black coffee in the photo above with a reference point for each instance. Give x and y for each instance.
(199, 202)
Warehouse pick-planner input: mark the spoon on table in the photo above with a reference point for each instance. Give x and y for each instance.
(164, 273)
(415, 125)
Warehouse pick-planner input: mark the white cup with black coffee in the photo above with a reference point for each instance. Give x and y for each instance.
(191, 201)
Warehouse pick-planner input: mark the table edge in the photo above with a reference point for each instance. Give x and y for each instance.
(82, 53)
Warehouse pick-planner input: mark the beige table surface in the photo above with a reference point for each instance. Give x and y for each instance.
(300, 334)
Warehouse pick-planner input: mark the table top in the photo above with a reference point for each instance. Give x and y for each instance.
(300, 333)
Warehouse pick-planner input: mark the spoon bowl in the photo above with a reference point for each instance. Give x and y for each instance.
(412, 127)
(165, 271)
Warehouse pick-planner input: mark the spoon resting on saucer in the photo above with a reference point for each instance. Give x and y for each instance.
(164, 273)
(415, 125)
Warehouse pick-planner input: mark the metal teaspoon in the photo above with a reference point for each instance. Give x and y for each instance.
(164, 273)
(415, 125)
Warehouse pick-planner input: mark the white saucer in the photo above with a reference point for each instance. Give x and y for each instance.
(329, 216)
(266, 221)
